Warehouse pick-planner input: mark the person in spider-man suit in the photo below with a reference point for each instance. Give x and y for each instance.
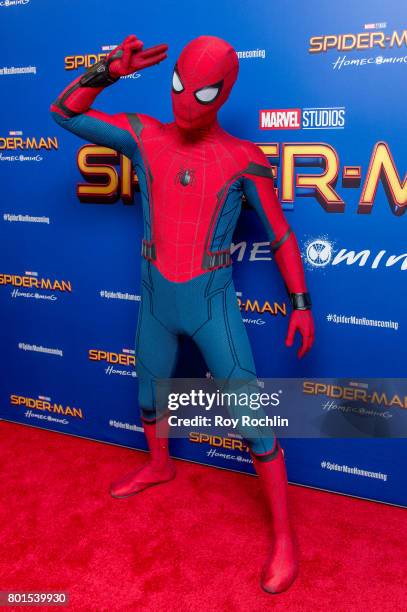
(192, 176)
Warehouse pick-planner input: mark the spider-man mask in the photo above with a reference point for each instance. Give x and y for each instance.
(202, 80)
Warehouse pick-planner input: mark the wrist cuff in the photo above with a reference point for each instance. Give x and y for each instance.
(98, 75)
(300, 301)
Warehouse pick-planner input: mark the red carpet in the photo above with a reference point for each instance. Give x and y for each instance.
(196, 543)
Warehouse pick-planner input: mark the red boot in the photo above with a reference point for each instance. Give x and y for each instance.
(159, 468)
(281, 568)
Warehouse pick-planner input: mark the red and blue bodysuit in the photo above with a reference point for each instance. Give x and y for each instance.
(192, 175)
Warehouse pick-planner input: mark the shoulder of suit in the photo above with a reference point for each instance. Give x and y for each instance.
(254, 153)
(141, 123)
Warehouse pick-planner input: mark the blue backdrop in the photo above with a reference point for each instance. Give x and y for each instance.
(321, 89)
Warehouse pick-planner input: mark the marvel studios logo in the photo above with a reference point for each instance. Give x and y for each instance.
(318, 118)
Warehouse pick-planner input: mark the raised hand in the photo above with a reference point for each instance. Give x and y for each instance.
(130, 57)
(302, 321)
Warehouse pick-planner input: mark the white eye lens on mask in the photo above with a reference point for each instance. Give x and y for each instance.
(176, 83)
(207, 94)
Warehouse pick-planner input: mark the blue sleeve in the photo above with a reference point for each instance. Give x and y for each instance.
(102, 129)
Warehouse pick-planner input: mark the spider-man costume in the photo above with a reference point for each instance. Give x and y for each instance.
(192, 175)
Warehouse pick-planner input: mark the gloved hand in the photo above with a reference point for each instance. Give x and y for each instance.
(302, 321)
(130, 57)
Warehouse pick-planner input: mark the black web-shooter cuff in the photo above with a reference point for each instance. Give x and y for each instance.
(300, 301)
(98, 75)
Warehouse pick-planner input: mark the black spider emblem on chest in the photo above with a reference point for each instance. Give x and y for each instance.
(186, 176)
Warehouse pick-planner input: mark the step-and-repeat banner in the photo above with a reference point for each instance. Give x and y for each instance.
(322, 88)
